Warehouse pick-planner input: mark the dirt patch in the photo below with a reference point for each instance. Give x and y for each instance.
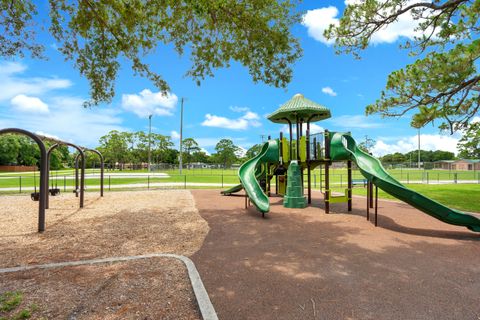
(154, 288)
(120, 224)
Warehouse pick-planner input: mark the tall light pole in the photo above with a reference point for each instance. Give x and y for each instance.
(149, 141)
(181, 137)
(419, 148)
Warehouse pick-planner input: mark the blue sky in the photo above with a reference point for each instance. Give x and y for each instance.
(47, 96)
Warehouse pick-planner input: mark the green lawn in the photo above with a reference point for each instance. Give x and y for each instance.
(459, 196)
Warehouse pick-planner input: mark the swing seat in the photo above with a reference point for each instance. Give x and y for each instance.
(54, 191)
(35, 196)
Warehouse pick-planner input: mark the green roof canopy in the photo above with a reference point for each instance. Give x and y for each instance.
(301, 106)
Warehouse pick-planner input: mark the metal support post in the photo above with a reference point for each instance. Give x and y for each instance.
(368, 200)
(376, 204)
(349, 193)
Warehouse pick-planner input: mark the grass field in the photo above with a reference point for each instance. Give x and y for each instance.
(458, 196)
(461, 196)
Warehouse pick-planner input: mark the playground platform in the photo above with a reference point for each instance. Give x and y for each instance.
(305, 264)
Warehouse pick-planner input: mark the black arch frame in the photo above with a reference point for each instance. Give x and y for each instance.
(43, 173)
(102, 167)
(82, 179)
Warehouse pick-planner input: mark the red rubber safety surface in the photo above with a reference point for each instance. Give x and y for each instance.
(304, 264)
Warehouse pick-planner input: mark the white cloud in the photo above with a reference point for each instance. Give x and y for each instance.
(147, 102)
(68, 120)
(475, 119)
(9, 68)
(315, 128)
(205, 151)
(174, 135)
(226, 123)
(329, 91)
(251, 116)
(12, 85)
(207, 142)
(239, 109)
(36, 108)
(355, 121)
(407, 144)
(241, 152)
(249, 119)
(318, 20)
(28, 104)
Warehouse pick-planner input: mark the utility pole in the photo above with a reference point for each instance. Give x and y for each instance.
(262, 136)
(419, 148)
(181, 137)
(149, 141)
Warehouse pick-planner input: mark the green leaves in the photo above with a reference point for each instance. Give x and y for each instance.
(226, 152)
(443, 83)
(97, 35)
(469, 144)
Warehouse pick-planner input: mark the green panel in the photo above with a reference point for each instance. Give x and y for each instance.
(285, 150)
(294, 150)
(303, 149)
(373, 170)
(248, 174)
(294, 197)
(337, 148)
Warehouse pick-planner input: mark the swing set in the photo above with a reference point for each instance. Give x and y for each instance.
(42, 196)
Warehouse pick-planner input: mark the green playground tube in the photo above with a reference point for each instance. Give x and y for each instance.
(248, 176)
(373, 170)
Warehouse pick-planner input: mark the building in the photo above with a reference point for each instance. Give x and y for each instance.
(462, 164)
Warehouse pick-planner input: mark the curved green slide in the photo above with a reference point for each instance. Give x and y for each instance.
(259, 172)
(233, 189)
(248, 174)
(343, 147)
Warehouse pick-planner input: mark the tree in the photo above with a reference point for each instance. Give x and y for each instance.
(469, 144)
(396, 157)
(189, 147)
(367, 145)
(9, 149)
(114, 147)
(253, 151)
(170, 156)
(226, 152)
(97, 35)
(200, 156)
(444, 82)
(160, 146)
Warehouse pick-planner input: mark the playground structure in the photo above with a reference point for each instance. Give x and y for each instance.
(43, 195)
(286, 159)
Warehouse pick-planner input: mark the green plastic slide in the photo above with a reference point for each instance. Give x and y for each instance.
(248, 174)
(259, 172)
(343, 144)
(233, 189)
